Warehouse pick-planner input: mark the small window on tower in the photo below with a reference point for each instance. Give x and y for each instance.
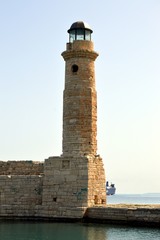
(74, 68)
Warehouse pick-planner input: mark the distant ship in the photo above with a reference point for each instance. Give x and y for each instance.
(111, 190)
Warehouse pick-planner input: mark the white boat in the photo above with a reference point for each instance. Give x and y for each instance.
(110, 189)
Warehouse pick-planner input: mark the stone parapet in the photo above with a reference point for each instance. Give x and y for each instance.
(21, 168)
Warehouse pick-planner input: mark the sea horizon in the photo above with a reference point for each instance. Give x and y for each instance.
(134, 198)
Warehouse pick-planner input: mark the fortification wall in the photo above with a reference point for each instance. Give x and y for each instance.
(61, 187)
(20, 195)
(21, 186)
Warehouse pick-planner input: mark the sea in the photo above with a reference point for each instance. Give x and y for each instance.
(23, 230)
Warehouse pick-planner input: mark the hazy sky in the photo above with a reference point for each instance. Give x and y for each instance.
(126, 34)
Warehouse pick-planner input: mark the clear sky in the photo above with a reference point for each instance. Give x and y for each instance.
(126, 34)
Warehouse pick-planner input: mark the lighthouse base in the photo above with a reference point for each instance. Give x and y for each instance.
(71, 184)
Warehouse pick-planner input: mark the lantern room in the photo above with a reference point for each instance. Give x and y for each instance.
(79, 31)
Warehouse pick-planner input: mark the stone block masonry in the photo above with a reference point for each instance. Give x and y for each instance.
(69, 187)
(21, 186)
(60, 187)
(20, 195)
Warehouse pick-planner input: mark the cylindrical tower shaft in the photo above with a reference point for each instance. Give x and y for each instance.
(79, 100)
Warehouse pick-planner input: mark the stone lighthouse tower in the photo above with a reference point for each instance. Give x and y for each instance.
(80, 98)
(76, 179)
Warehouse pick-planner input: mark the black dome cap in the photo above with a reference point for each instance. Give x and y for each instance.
(80, 25)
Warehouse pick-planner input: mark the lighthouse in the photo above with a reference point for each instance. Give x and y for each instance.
(75, 180)
(80, 97)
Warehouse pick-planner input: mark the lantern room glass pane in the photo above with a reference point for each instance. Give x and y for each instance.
(87, 35)
(80, 34)
(72, 36)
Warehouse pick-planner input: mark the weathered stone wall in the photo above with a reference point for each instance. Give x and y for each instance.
(21, 186)
(59, 187)
(20, 195)
(21, 168)
(65, 187)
